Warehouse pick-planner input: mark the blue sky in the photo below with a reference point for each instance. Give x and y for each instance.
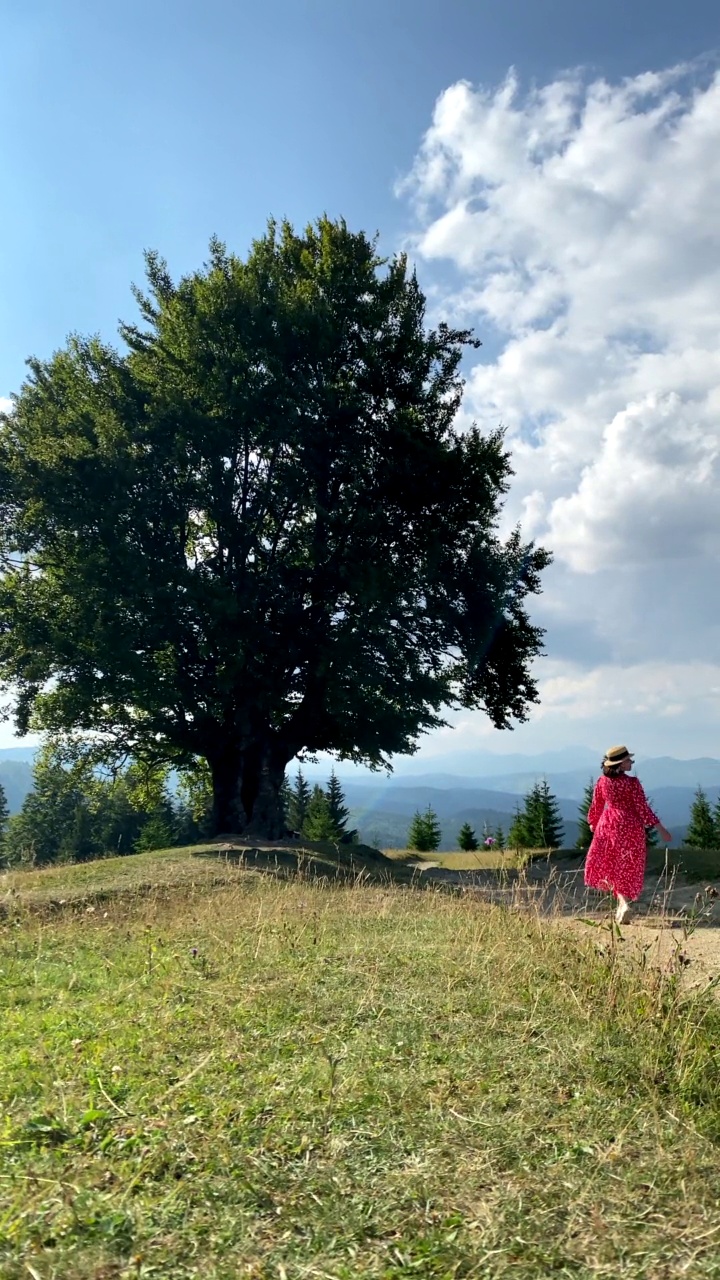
(156, 124)
(153, 123)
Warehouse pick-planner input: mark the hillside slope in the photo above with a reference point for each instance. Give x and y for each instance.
(263, 1077)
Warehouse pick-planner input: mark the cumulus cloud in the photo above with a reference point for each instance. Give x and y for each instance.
(660, 707)
(576, 225)
(584, 220)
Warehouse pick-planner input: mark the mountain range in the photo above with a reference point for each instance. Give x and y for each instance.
(382, 807)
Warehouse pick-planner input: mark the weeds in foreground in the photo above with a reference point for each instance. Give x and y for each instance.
(269, 1078)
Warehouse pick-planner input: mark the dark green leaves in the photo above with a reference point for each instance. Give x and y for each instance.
(256, 529)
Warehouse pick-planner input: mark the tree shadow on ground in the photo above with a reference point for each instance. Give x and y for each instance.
(315, 859)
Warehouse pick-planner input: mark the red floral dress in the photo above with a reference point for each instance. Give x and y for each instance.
(618, 816)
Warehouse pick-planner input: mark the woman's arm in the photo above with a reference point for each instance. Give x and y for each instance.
(650, 819)
(665, 834)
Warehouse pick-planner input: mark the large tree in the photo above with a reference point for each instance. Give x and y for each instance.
(256, 530)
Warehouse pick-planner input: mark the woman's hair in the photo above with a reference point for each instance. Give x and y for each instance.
(611, 770)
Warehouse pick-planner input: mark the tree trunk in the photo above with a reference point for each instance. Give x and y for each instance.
(228, 817)
(260, 790)
(247, 789)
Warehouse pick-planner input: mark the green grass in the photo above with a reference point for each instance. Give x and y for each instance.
(288, 1078)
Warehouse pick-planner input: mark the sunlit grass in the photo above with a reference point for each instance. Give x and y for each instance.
(266, 1078)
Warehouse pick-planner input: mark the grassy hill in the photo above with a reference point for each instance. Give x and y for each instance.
(219, 1070)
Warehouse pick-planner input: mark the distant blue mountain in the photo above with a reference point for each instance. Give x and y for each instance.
(16, 780)
(487, 794)
(382, 810)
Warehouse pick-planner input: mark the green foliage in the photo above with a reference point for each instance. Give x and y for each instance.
(518, 837)
(319, 823)
(257, 530)
(298, 802)
(317, 813)
(585, 835)
(286, 800)
(195, 789)
(499, 835)
(339, 811)
(703, 831)
(4, 816)
(538, 825)
(53, 824)
(157, 833)
(544, 820)
(75, 812)
(424, 834)
(467, 840)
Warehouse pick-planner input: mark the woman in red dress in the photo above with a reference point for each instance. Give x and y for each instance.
(618, 817)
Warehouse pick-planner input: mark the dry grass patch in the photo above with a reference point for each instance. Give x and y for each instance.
(480, 860)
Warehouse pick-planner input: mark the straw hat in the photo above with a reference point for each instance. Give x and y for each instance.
(616, 755)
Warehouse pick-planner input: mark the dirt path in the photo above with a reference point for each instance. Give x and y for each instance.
(699, 952)
(671, 917)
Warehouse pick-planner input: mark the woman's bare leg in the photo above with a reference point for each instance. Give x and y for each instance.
(623, 909)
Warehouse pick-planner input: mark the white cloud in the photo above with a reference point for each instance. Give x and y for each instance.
(5, 404)
(662, 708)
(582, 221)
(585, 219)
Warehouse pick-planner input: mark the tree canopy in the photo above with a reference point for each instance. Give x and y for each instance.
(255, 530)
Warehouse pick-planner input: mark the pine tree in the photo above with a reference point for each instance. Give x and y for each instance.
(319, 823)
(467, 840)
(518, 835)
(539, 825)
(336, 800)
(4, 816)
(299, 801)
(585, 835)
(547, 824)
(702, 832)
(424, 834)
(49, 827)
(499, 837)
(286, 799)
